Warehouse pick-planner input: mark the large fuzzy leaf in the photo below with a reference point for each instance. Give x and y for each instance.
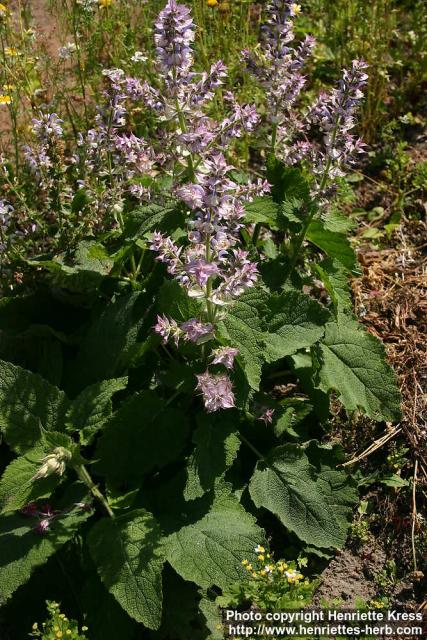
(335, 245)
(106, 349)
(209, 551)
(16, 486)
(294, 321)
(243, 328)
(92, 407)
(352, 362)
(127, 553)
(27, 403)
(142, 435)
(216, 446)
(305, 500)
(23, 550)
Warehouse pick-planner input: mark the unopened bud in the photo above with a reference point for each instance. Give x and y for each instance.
(55, 462)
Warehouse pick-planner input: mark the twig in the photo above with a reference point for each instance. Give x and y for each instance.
(414, 514)
(373, 447)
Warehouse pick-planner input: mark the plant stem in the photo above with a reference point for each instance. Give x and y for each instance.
(251, 446)
(84, 476)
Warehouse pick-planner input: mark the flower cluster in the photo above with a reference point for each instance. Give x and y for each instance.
(278, 68)
(269, 570)
(44, 154)
(45, 515)
(211, 266)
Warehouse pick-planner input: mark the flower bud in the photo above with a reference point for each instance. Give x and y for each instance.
(55, 462)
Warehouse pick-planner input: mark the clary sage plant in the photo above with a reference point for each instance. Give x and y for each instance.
(171, 350)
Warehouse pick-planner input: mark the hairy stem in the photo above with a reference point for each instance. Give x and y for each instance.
(84, 476)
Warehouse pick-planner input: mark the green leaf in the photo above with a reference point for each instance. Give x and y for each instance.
(174, 301)
(107, 346)
(316, 506)
(91, 264)
(287, 182)
(16, 487)
(92, 407)
(216, 448)
(142, 435)
(209, 551)
(27, 403)
(394, 480)
(262, 211)
(335, 278)
(294, 321)
(335, 245)
(24, 550)
(152, 217)
(127, 553)
(243, 328)
(352, 362)
(104, 616)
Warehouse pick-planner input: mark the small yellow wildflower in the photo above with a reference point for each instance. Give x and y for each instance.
(296, 8)
(269, 568)
(8, 87)
(259, 549)
(245, 562)
(212, 3)
(105, 3)
(59, 634)
(267, 555)
(11, 51)
(262, 572)
(261, 557)
(35, 625)
(249, 567)
(85, 628)
(254, 574)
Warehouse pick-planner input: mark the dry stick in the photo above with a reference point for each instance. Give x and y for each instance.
(373, 447)
(414, 514)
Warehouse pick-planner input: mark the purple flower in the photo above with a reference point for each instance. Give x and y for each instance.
(216, 390)
(43, 526)
(167, 328)
(196, 331)
(225, 356)
(48, 126)
(174, 33)
(266, 415)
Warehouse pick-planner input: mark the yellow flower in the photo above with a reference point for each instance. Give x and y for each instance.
(5, 100)
(245, 562)
(11, 51)
(254, 574)
(35, 625)
(262, 573)
(296, 8)
(85, 628)
(259, 549)
(105, 3)
(59, 634)
(212, 3)
(261, 557)
(249, 567)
